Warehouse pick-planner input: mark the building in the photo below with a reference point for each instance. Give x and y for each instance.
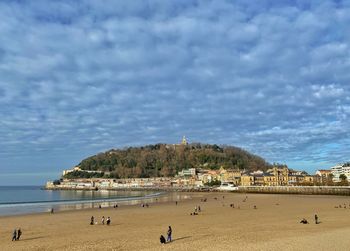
(78, 169)
(281, 175)
(247, 180)
(230, 175)
(184, 141)
(324, 175)
(337, 170)
(187, 172)
(270, 180)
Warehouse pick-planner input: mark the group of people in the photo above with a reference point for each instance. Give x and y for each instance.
(344, 206)
(304, 221)
(169, 233)
(16, 234)
(103, 220)
(197, 209)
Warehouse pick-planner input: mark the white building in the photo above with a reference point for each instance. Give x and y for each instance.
(338, 170)
(346, 171)
(188, 172)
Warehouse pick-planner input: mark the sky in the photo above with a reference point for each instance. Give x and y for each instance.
(82, 77)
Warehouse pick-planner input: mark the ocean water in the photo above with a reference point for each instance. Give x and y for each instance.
(33, 199)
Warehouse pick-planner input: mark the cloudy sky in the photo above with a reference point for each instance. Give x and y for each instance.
(81, 77)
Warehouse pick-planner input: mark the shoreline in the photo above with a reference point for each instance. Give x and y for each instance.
(106, 203)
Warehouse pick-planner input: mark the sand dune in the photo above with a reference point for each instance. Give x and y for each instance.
(274, 225)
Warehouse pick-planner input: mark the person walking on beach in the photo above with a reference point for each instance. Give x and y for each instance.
(103, 220)
(108, 220)
(19, 233)
(14, 235)
(170, 231)
(92, 220)
(316, 219)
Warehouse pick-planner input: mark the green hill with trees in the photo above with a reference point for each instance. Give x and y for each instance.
(166, 160)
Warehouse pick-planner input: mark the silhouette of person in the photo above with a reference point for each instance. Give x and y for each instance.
(92, 220)
(14, 235)
(170, 231)
(19, 233)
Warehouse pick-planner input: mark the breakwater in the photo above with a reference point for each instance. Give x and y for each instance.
(317, 190)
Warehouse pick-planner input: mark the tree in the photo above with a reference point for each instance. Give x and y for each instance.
(56, 182)
(343, 180)
(329, 181)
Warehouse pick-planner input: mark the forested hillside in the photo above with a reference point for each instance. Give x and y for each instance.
(166, 160)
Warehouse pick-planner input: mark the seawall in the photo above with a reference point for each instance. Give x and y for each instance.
(321, 190)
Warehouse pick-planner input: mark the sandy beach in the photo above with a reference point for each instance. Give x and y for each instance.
(274, 225)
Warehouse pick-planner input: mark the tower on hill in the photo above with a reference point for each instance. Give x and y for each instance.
(184, 141)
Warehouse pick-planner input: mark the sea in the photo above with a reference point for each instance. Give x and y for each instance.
(15, 200)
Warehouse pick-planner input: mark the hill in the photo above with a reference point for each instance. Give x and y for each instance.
(166, 160)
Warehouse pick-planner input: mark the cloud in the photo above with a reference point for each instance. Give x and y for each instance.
(81, 77)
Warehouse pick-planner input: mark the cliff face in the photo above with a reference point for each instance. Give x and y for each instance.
(167, 160)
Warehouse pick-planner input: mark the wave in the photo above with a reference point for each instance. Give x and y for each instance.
(78, 201)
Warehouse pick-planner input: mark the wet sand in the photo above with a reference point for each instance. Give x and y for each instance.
(274, 225)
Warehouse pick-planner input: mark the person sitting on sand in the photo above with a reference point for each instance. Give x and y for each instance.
(255, 207)
(14, 235)
(304, 221)
(19, 233)
(162, 239)
(108, 220)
